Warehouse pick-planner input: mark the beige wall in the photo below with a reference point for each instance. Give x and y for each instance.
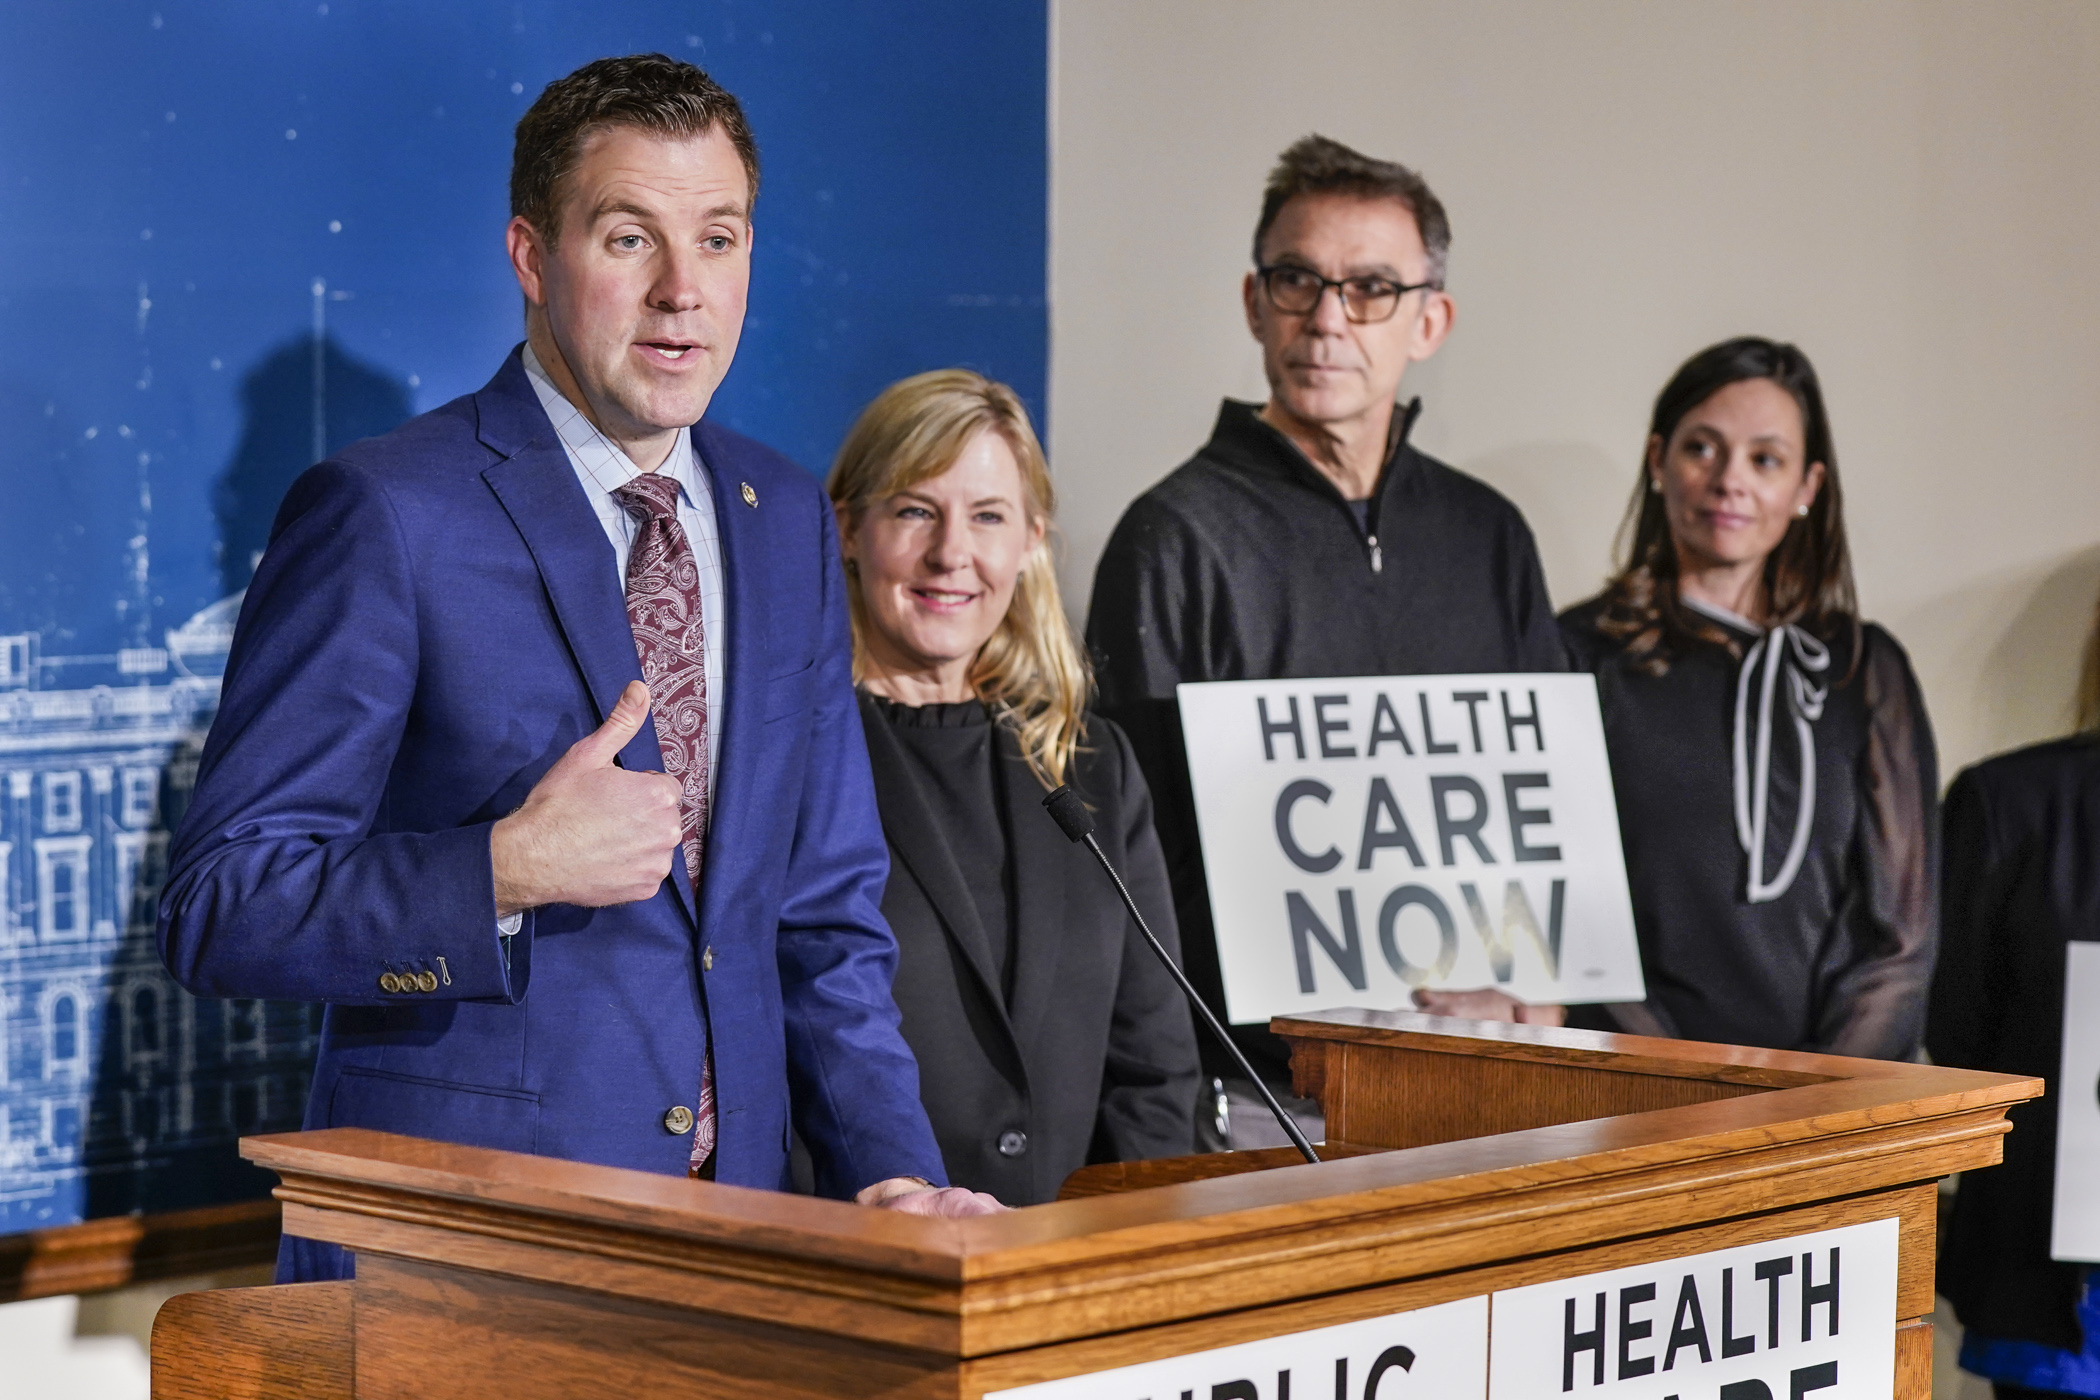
(1911, 191)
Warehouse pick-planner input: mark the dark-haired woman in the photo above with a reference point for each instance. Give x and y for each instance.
(1773, 763)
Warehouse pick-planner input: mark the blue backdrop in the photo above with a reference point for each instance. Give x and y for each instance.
(235, 234)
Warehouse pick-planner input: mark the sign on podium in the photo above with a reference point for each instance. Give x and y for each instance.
(1806, 1317)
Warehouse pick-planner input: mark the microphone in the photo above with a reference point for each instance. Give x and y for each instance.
(1071, 815)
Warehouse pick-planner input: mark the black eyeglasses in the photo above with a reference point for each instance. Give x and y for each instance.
(1296, 291)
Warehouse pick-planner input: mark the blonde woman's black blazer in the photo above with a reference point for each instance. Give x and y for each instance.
(1095, 1058)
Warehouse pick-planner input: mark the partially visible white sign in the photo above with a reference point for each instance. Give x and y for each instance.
(1807, 1318)
(1366, 837)
(1439, 1351)
(1812, 1317)
(2074, 1232)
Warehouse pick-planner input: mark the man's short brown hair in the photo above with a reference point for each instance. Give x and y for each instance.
(1318, 165)
(658, 94)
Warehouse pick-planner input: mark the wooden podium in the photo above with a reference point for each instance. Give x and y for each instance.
(1467, 1159)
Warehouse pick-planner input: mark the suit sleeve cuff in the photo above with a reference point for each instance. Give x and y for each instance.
(494, 961)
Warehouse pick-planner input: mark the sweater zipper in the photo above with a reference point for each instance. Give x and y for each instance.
(1407, 423)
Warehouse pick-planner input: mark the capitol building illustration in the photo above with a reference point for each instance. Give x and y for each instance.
(118, 1091)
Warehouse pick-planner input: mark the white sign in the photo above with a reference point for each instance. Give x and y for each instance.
(1439, 1351)
(1369, 836)
(1807, 1318)
(2074, 1233)
(1812, 1317)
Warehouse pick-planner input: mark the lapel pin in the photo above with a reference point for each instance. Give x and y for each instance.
(750, 496)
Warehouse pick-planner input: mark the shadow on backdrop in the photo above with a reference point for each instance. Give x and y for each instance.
(1999, 655)
(2033, 665)
(303, 400)
(178, 1079)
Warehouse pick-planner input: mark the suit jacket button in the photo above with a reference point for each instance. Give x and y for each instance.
(678, 1120)
(1012, 1143)
(389, 983)
(426, 981)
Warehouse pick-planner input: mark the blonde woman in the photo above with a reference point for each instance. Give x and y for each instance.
(1047, 1035)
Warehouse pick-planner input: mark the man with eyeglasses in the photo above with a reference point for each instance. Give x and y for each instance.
(1307, 538)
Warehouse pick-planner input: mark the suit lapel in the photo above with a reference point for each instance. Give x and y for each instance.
(911, 824)
(1044, 866)
(539, 490)
(747, 604)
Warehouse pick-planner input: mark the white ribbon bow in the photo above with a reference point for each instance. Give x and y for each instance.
(1793, 650)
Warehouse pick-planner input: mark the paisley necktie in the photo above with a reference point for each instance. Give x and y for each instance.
(663, 606)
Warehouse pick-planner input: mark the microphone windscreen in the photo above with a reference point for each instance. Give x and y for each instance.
(1071, 814)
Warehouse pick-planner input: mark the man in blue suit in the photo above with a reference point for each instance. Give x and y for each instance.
(436, 796)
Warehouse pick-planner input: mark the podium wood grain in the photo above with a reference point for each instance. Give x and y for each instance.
(1471, 1157)
(289, 1343)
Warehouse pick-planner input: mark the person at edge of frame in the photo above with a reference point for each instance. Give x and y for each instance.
(2021, 881)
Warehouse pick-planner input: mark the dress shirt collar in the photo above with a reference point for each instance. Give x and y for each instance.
(594, 455)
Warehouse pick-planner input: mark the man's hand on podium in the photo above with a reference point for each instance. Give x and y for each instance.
(1487, 1004)
(915, 1196)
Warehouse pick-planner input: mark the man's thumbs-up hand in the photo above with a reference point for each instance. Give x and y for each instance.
(590, 833)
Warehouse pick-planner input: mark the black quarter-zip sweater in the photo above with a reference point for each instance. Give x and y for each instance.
(1247, 564)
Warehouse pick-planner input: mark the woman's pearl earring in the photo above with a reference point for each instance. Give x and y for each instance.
(1803, 512)
(1654, 487)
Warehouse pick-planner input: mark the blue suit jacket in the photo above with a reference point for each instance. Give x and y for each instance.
(437, 619)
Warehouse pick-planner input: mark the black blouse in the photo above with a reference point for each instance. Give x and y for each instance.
(1781, 837)
(952, 755)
